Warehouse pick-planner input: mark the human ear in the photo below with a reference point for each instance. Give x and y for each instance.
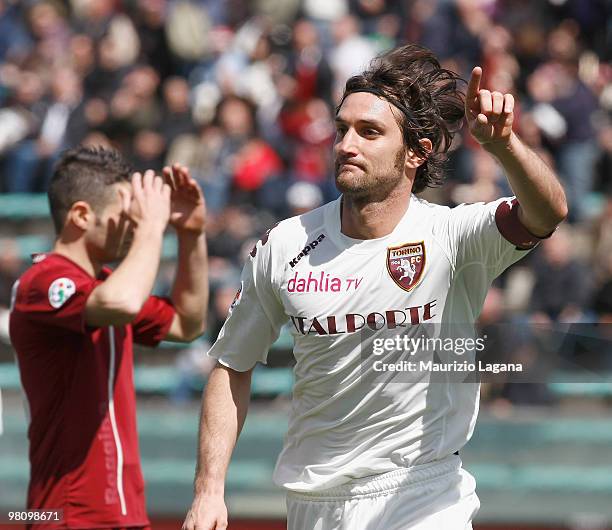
(413, 160)
(126, 199)
(81, 215)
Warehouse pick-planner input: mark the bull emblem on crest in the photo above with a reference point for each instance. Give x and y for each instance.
(408, 269)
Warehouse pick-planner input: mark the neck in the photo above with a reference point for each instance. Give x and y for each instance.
(364, 218)
(76, 252)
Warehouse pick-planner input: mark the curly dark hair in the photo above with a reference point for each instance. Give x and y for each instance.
(84, 174)
(431, 104)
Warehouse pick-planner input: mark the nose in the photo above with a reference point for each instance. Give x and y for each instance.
(346, 145)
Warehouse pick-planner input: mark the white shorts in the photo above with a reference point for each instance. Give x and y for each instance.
(436, 496)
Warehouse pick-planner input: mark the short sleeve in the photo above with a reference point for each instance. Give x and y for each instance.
(489, 237)
(153, 322)
(256, 316)
(56, 296)
(483, 240)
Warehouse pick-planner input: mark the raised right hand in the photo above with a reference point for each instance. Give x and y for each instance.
(150, 201)
(207, 513)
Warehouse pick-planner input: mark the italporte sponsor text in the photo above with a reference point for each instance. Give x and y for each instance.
(376, 320)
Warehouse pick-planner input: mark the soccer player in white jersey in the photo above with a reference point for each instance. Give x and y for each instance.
(361, 454)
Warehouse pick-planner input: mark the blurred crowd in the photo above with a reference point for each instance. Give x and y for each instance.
(243, 92)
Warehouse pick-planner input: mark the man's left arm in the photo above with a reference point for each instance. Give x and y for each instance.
(490, 117)
(190, 290)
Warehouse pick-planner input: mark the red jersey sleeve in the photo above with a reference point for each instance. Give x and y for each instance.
(153, 322)
(56, 295)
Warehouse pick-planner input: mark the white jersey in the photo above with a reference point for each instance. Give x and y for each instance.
(435, 267)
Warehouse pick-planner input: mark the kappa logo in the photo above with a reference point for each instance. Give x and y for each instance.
(406, 264)
(306, 250)
(60, 291)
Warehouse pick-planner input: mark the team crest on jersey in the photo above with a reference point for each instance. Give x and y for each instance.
(406, 264)
(60, 291)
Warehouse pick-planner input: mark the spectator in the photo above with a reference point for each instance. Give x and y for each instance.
(176, 110)
(10, 269)
(22, 123)
(303, 197)
(14, 39)
(351, 54)
(562, 284)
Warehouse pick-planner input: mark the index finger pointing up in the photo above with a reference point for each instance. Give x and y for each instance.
(474, 84)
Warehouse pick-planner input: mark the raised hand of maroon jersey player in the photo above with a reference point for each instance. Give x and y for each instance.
(188, 208)
(149, 202)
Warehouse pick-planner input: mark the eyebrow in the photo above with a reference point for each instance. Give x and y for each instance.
(363, 121)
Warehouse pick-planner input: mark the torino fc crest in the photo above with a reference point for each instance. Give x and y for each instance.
(406, 264)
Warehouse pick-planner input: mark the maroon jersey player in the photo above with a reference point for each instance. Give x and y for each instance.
(74, 321)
